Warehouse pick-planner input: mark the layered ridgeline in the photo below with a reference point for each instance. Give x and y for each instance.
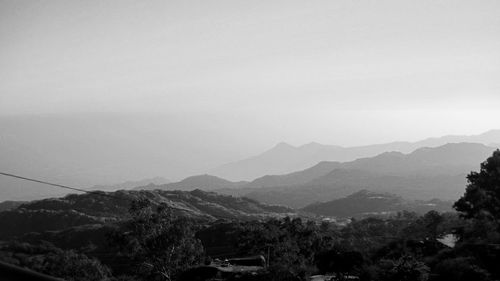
(96, 151)
(285, 158)
(424, 174)
(365, 203)
(101, 208)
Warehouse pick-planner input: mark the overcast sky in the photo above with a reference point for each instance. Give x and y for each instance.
(337, 72)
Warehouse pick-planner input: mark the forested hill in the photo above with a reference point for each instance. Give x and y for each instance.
(101, 207)
(365, 203)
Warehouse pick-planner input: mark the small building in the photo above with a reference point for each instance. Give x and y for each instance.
(223, 269)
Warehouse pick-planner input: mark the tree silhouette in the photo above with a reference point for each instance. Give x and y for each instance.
(482, 195)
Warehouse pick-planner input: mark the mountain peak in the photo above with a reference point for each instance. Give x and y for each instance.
(285, 158)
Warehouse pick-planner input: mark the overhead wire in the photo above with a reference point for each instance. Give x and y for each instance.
(96, 192)
(62, 186)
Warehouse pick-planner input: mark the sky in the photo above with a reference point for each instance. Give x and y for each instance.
(260, 72)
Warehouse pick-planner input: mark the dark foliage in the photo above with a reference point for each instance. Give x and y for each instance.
(46, 258)
(158, 244)
(460, 269)
(481, 200)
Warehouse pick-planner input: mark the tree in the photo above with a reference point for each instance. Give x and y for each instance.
(460, 269)
(482, 195)
(158, 243)
(339, 261)
(405, 268)
(480, 233)
(425, 227)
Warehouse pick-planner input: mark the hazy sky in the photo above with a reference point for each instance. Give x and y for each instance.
(337, 72)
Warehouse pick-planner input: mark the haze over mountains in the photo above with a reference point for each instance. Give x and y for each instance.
(132, 184)
(426, 173)
(428, 178)
(84, 150)
(100, 151)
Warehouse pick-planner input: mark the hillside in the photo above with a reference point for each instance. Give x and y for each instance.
(74, 210)
(295, 178)
(285, 158)
(423, 174)
(365, 203)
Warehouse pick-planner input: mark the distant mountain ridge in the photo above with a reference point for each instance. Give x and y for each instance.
(423, 174)
(426, 173)
(202, 182)
(285, 158)
(90, 152)
(132, 184)
(451, 157)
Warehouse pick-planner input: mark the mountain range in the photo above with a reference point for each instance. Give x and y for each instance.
(97, 152)
(425, 179)
(424, 174)
(285, 158)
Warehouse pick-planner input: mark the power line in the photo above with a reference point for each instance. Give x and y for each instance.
(100, 193)
(44, 182)
(63, 186)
